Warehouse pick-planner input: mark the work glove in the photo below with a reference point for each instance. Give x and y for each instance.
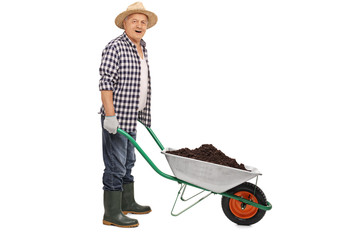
(110, 124)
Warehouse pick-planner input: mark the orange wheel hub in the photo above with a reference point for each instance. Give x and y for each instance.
(242, 210)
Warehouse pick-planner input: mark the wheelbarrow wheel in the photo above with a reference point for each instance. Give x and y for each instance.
(241, 213)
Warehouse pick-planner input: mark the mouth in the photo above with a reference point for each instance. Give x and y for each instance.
(138, 31)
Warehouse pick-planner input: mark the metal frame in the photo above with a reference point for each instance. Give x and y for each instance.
(182, 191)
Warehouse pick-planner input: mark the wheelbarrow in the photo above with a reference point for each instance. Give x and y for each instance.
(242, 202)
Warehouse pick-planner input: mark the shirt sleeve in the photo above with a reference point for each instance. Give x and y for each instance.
(108, 68)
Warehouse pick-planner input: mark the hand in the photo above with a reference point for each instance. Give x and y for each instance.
(110, 124)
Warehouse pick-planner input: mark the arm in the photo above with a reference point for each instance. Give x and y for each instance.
(107, 100)
(108, 72)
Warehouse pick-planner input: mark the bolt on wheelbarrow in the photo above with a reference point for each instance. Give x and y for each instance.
(242, 202)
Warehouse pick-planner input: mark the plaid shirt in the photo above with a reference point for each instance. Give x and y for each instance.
(120, 72)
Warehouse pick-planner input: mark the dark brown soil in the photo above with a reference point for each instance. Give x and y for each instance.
(208, 153)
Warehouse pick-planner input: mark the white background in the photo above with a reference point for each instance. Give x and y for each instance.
(274, 84)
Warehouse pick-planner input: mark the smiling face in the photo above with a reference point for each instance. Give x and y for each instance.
(135, 26)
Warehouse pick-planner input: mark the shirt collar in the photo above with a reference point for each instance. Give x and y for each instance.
(142, 42)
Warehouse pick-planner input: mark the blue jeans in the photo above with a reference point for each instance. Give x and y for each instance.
(119, 159)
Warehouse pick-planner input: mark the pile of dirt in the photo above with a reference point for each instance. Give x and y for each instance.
(208, 153)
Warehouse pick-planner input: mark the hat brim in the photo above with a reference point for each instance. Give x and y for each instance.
(152, 18)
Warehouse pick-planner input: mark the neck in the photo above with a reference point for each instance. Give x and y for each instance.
(137, 43)
(134, 41)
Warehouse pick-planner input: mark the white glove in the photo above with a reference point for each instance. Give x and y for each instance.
(111, 124)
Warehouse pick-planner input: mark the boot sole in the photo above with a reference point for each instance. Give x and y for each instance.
(126, 212)
(117, 225)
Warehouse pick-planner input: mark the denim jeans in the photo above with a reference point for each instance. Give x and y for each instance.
(119, 159)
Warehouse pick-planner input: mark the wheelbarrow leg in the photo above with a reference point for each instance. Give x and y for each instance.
(181, 192)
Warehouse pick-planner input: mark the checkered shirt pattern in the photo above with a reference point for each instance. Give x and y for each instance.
(120, 72)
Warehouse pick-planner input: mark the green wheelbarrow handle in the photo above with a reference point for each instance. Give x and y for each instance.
(136, 145)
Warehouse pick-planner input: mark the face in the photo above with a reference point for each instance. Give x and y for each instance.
(135, 26)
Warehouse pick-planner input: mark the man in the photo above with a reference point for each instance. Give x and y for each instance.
(126, 95)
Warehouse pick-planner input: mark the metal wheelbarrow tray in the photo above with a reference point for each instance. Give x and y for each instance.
(243, 203)
(214, 177)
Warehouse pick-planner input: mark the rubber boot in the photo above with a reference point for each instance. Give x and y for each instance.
(129, 204)
(113, 214)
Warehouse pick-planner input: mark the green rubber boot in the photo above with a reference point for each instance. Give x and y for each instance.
(129, 204)
(113, 214)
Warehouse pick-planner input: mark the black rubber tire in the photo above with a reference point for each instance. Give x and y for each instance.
(251, 188)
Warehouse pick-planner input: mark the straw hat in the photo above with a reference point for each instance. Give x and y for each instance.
(137, 7)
